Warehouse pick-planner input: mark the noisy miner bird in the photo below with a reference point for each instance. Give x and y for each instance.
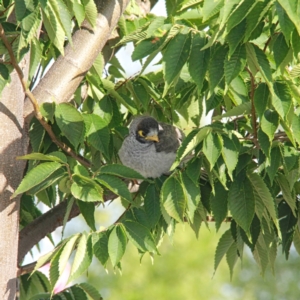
(150, 148)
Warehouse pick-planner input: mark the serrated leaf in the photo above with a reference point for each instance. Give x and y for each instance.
(100, 246)
(212, 147)
(216, 67)
(234, 64)
(242, 109)
(224, 244)
(261, 190)
(274, 164)
(286, 24)
(287, 223)
(197, 61)
(117, 244)
(98, 134)
(218, 202)
(91, 291)
(190, 143)
(241, 202)
(172, 198)
(235, 36)
(193, 196)
(152, 205)
(230, 152)
(66, 253)
(259, 62)
(232, 257)
(264, 142)
(36, 176)
(86, 189)
(280, 49)
(286, 192)
(292, 9)
(90, 11)
(121, 171)
(140, 236)
(269, 123)
(116, 185)
(211, 8)
(175, 56)
(47, 157)
(70, 122)
(76, 292)
(83, 257)
(290, 158)
(281, 99)
(87, 210)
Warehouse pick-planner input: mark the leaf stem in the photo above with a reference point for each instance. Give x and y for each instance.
(35, 105)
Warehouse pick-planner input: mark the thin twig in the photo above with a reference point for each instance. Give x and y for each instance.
(35, 105)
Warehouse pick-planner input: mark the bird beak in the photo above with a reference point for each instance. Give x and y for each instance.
(153, 138)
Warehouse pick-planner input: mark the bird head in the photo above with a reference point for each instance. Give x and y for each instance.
(147, 130)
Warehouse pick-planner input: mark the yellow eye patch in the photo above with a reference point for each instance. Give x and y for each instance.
(141, 133)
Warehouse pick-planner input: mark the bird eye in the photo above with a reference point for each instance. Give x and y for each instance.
(141, 133)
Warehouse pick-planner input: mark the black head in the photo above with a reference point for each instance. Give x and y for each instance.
(147, 130)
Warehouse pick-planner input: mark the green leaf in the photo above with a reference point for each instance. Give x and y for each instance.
(242, 109)
(175, 56)
(152, 205)
(121, 171)
(172, 198)
(90, 290)
(281, 99)
(269, 123)
(258, 61)
(280, 49)
(36, 176)
(235, 37)
(212, 147)
(49, 157)
(86, 189)
(239, 13)
(98, 134)
(241, 202)
(140, 236)
(116, 185)
(230, 152)
(87, 210)
(261, 96)
(211, 8)
(274, 164)
(192, 194)
(194, 138)
(117, 244)
(286, 192)
(292, 9)
(70, 122)
(83, 257)
(286, 24)
(66, 253)
(261, 190)
(235, 64)
(232, 257)
(197, 61)
(224, 244)
(216, 67)
(53, 27)
(218, 202)
(290, 158)
(287, 224)
(35, 57)
(264, 143)
(100, 246)
(90, 11)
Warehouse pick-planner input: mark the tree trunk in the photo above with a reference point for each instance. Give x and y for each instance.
(13, 144)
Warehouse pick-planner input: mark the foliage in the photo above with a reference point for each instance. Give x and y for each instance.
(236, 63)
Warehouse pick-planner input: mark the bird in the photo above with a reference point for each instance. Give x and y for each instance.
(150, 148)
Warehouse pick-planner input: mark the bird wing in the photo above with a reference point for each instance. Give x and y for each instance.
(170, 138)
